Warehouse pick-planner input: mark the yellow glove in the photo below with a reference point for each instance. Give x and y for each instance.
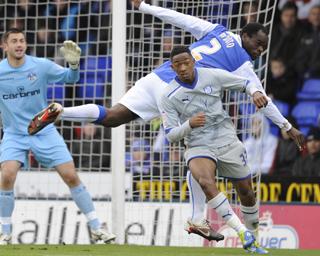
(71, 53)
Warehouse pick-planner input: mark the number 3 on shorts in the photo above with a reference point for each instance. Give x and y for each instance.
(243, 157)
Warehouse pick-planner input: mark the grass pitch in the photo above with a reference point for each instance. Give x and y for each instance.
(132, 250)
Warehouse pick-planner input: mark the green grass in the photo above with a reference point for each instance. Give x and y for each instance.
(132, 250)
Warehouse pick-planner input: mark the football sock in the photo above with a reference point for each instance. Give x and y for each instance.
(221, 205)
(84, 113)
(197, 199)
(251, 218)
(83, 200)
(6, 209)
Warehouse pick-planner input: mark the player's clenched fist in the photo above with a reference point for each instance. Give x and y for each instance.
(197, 120)
(71, 53)
(136, 3)
(260, 100)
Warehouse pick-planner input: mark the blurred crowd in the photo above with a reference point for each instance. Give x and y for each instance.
(293, 80)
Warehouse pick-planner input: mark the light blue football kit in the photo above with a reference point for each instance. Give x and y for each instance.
(23, 93)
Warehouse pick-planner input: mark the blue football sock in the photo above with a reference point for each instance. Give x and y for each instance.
(83, 200)
(6, 209)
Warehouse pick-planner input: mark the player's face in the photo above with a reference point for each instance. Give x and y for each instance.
(183, 65)
(15, 46)
(256, 44)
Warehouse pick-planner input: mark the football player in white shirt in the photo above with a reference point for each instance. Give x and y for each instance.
(192, 110)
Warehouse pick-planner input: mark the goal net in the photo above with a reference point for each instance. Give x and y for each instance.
(156, 199)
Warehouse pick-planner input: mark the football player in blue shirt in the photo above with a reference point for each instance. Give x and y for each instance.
(23, 90)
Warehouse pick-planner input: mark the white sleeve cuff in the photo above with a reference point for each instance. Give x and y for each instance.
(287, 126)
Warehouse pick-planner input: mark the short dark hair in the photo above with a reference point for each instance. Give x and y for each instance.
(179, 49)
(253, 28)
(277, 58)
(11, 31)
(290, 6)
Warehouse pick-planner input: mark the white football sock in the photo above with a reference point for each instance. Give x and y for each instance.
(221, 205)
(197, 199)
(251, 218)
(84, 113)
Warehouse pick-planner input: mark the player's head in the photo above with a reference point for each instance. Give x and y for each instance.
(14, 43)
(183, 63)
(254, 37)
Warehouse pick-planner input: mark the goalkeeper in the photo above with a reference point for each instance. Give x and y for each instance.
(216, 48)
(23, 88)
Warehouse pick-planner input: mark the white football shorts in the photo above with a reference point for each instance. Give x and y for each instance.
(231, 159)
(144, 97)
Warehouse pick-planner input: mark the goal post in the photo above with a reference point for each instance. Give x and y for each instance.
(118, 134)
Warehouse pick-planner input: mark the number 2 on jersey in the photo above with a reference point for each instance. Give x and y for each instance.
(215, 46)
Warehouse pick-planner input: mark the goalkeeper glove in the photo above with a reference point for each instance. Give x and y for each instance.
(71, 53)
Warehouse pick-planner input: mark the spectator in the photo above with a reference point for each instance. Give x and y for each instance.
(308, 55)
(286, 36)
(304, 6)
(249, 13)
(287, 152)
(282, 83)
(261, 145)
(308, 166)
(45, 43)
(140, 158)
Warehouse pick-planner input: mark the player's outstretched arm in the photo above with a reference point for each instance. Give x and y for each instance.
(272, 112)
(197, 27)
(71, 53)
(265, 104)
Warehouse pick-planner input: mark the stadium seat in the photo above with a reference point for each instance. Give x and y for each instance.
(95, 73)
(306, 113)
(283, 107)
(56, 93)
(310, 90)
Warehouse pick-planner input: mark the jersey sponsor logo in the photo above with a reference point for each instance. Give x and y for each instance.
(20, 94)
(32, 76)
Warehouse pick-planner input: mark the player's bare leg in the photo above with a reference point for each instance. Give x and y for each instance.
(118, 115)
(108, 117)
(203, 171)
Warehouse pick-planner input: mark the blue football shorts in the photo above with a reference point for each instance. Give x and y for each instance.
(49, 148)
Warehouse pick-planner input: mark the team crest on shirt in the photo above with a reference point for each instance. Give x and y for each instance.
(32, 76)
(208, 89)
